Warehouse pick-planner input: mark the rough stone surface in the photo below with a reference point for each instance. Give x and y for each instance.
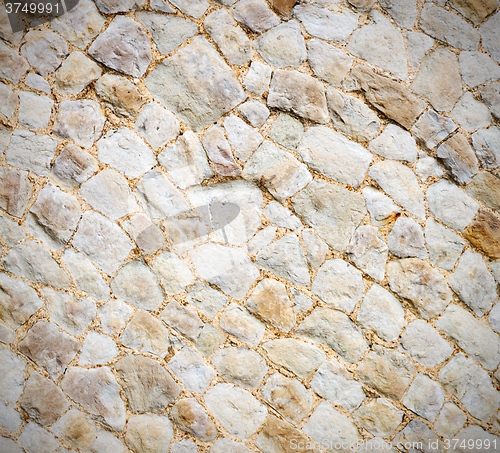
(255, 14)
(406, 239)
(119, 94)
(240, 366)
(418, 433)
(182, 318)
(149, 432)
(490, 94)
(190, 416)
(432, 128)
(44, 50)
(254, 112)
(425, 397)
(76, 72)
(484, 233)
(14, 66)
(258, 78)
(486, 188)
(458, 158)
(156, 125)
(73, 166)
(243, 138)
(486, 143)
(395, 143)
(470, 113)
(450, 420)
(76, 428)
(379, 417)
(381, 208)
(34, 110)
(188, 366)
(328, 62)
(490, 36)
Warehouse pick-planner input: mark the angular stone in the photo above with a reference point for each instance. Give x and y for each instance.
(255, 14)
(425, 397)
(428, 167)
(7, 335)
(81, 121)
(368, 251)
(328, 62)
(219, 152)
(85, 275)
(401, 183)
(34, 110)
(315, 248)
(18, 301)
(114, 316)
(282, 217)
(148, 237)
(240, 366)
(258, 78)
(465, 379)
(490, 94)
(33, 261)
(147, 384)
(193, 8)
(381, 208)
(254, 112)
(484, 233)
(190, 416)
(229, 37)
(173, 273)
(159, 197)
(298, 93)
(30, 152)
(73, 166)
(478, 68)
(10, 419)
(444, 246)
(487, 146)
(49, 348)
(13, 368)
(432, 128)
(403, 12)
(145, 333)
(386, 370)
(75, 428)
(107, 443)
(72, 314)
(470, 113)
(115, 6)
(450, 420)
(79, 25)
(475, 11)
(37, 440)
(183, 319)
(124, 46)
(458, 158)
(243, 138)
(13, 66)
(287, 131)
(209, 340)
(333, 382)
(149, 433)
(189, 367)
(120, 95)
(11, 232)
(490, 36)
(406, 239)
(238, 322)
(473, 283)
(330, 428)
(323, 206)
(379, 417)
(168, 32)
(228, 268)
(390, 54)
(486, 188)
(97, 349)
(156, 125)
(418, 45)
(179, 76)
(37, 82)
(388, 96)
(262, 239)
(10, 100)
(76, 72)
(44, 50)
(395, 143)
(464, 330)
(103, 241)
(417, 433)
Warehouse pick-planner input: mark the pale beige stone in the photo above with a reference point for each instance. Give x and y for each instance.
(190, 416)
(240, 366)
(379, 417)
(149, 433)
(121, 95)
(76, 428)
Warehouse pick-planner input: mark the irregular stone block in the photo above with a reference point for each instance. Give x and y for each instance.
(484, 233)
(157, 125)
(418, 45)
(255, 14)
(432, 128)
(12, 65)
(183, 319)
(97, 349)
(486, 188)
(381, 208)
(328, 62)
(149, 433)
(75, 428)
(13, 368)
(219, 152)
(243, 138)
(15, 191)
(240, 366)
(188, 366)
(34, 110)
(258, 78)
(425, 397)
(403, 12)
(254, 112)
(114, 316)
(73, 166)
(76, 72)
(236, 321)
(190, 416)
(490, 38)
(395, 143)
(119, 94)
(470, 113)
(418, 433)
(406, 239)
(379, 417)
(44, 50)
(475, 10)
(487, 146)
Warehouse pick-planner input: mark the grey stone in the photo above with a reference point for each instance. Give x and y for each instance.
(462, 377)
(315, 248)
(486, 143)
(81, 121)
(159, 197)
(319, 205)
(417, 433)
(10, 419)
(219, 152)
(49, 348)
(34, 110)
(85, 275)
(428, 167)
(119, 94)
(403, 12)
(425, 397)
(475, 11)
(390, 54)
(490, 36)
(185, 161)
(438, 79)
(182, 77)
(335, 330)
(79, 25)
(44, 50)
(238, 411)
(470, 113)
(236, 321)
(193, 8)
(229, 37)
(35, 439)
(149, 433)
(188, 366)
(486, 188)
(7, 335)
(183, 319)
(240, 366)
(381, 208)
(73, 166)
(287, 131)
(119, 6)
(270, 302)
(168, 32)
(418, 45)
(190, 416)
(368, 251)
(381, 312)
(97, 349)
(11, 232)
(209, 340)
(490, 94)
(473, 283)
(464, 329)
(147, 384)
(478, 68)
(328, 62)
(401, 183)
(185, 445)
(494, 318)
(123, 46)
(333, 382)
(10, 100)
(31, 152)
(75, 428)
(33, 261)
(395, 143)
(335, 24)
(148, 237)
(432, 128)
(173, 273)
(255, 14)
(243, 138)
(13, 367)
(114, 316)
(258, 78)
(329, 427)
(298, 93)
(145, 333)
(206, 299)
(76, 72)
(338, 284)
(450, 205)
(387, 371)
(156, 125)
(379, 417)
(107, 443)
(406, 239)
(450, 420)
(282, 46)
(282, 217)
(254, 112)
(299, 357)
(13, 66)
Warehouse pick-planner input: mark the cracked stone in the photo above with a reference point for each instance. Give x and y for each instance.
(190, 416)
(243, 138)
(406, 239)
(75, 428)
(149, 433)
(183, 319)
(379, 417)
(219, 152)
(262, 239)
(147, 384)
(258, 78)
(381, 208)
(486, 188)
(97, 349)
(484, 233)
(328, 62)
(114, 315)
(76, 72)
(73, 166)
(34, 110)
(236, 321)
(157, 125)
(44, 50)
(254, 112)
(432, 128)
(486, 143)
(13, 66)
(395, 143)
(255, 14)
(120, 95)
(145, 233)
(188, 366)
